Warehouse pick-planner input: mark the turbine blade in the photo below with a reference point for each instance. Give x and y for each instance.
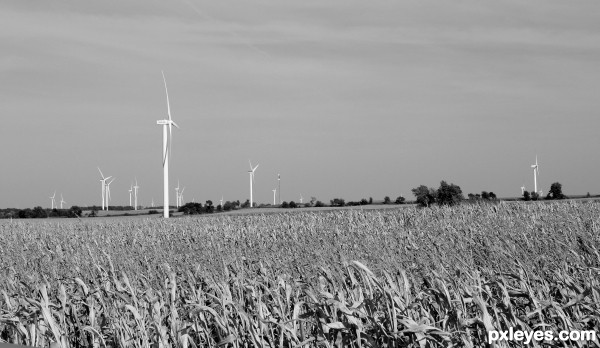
(250, 165)
(167, 93)
(101, 173)
(255, 167)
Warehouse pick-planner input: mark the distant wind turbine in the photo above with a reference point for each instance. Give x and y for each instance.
(152, 202)
(167, 140)
(103, 182)
(135, 192)
(274, 196)
(52, 199)
(181, 197)
(522, 189)
(251, 172)
(130, 192)
(177, 195)
(536, 172)
(61, 201)
(221, 201)
(300, 198)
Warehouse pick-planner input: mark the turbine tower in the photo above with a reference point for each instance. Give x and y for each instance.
(221, 201)
(300, 198)
(61, 201)
(167, 139)
(251, 172)
(522, 190)
(135, 191)
(103, 182)
(108, 191)
(52, 199)
(274, 191)
(152, 202)
(536, 172)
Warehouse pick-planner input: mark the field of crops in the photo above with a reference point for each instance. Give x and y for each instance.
(411, 277)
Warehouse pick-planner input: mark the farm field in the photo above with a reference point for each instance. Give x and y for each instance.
(406, 277)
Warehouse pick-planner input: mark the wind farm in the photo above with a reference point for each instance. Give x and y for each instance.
(346, 106)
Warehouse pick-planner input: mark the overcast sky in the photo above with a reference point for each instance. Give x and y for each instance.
(344, 98)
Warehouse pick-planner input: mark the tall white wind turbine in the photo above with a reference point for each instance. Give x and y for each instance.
(274, 196)
(536, 172)
(103, 182)
(221, 201)
(52, 199)
(522, 189)
(251, 172)
(61, 201)
(300, 198)
(135, 191)
(108, 191)
(167, 139)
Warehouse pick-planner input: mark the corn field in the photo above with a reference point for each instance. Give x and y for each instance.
(439, 277)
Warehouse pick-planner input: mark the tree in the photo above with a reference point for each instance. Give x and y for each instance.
(285, 204)
(76, 210)
(293, 204)
(400, 200)
(370, 200)
(208, 207)
(556, 191)
(485, 195)
(535, 196)
(319, 204)
(39, 212)
(425, 196)
(337, 202)
(526, 196)
(492, 195)
(449, 194)
(387, 200)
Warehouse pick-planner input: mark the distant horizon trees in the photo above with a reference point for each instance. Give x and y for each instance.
(446, 194)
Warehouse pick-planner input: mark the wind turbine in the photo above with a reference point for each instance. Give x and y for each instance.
(130, 191)
(152, 202)
(167, 138)
(522, 189)
(108, 191)
(251, 172)
(536, 172)
(300, 198)
(103, 181)
(61, 201)
(181, 197)
(177, 195)
(221, 201)
(274, 191)
(52, 199)
(135, 191)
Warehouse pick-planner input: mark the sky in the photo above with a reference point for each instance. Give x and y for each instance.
(343, 98)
